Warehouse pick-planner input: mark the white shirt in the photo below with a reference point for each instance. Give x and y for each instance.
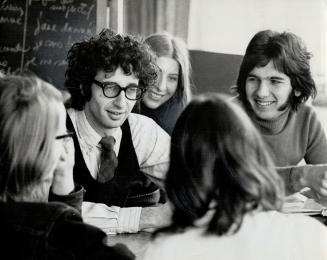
(263, 235)
(152, 147)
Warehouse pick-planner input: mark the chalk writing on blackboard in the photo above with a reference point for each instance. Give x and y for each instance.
(36, 34)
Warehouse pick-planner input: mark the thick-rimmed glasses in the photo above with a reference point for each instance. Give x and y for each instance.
(111, 90)
(65, 137)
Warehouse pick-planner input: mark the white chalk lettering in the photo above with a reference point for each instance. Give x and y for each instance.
(58, 8)
(11, 8)
(53, 44)
(82, 9)
(59, 63)
(45, 62)
(44, 27)
(71, 29)
(65, 2)
(30, 62)
(11, 20)
(51, 62)
(37, 45)
(44, 2)
(17, 48)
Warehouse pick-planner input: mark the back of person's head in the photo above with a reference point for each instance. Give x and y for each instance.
(289, 56)
(28, 124)
(167, 45)
(106, 51)
(219, 162)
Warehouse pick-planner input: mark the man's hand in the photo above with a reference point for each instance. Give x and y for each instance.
(63, 182)
(155, 217)
(315, 177)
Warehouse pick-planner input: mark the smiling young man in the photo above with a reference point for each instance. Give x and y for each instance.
(105, 77)
(274, 83)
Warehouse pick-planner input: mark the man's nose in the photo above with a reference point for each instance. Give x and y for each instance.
(120, 99)
(263, 89)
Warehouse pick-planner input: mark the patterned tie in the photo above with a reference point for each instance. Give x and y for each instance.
(109, 160)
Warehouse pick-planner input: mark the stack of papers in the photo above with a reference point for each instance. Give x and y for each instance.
(304, 203)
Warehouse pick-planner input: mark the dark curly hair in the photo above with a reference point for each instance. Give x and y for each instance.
(106, 51)
(289, 55)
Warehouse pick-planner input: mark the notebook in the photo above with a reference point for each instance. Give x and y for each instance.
(304, 202)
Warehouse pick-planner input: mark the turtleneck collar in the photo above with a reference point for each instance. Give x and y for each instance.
(165, 115)
(273, 126)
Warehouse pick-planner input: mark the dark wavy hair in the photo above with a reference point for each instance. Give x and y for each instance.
(219, 162)
(289, 55)
(106, 51)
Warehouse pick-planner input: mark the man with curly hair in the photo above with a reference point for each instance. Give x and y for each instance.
(273, 84)
(105, 77)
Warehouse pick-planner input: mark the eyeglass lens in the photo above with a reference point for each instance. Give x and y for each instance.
(131, 92)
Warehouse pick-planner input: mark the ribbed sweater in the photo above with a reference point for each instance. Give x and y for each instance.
(293, 136)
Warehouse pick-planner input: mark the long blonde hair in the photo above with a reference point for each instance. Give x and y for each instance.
(164, 44)
(28, 123)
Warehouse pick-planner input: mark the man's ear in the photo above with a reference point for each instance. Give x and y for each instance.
(297, 93)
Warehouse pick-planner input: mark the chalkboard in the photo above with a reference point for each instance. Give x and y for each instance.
(37, 34)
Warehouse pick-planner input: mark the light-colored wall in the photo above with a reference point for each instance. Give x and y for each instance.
(228, 25)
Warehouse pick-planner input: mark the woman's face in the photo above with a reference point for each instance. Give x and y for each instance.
(166, 86)
(58, 144)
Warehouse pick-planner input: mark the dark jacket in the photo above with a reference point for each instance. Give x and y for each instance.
(53, 230)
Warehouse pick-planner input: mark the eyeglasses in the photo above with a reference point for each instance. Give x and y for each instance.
(111, 90)
(65, 137)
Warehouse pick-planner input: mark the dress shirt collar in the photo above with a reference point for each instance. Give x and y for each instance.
(90, 136)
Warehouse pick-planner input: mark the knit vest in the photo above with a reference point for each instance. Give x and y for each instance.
(128, 188)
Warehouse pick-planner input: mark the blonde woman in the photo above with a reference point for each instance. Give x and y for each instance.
(165, 101)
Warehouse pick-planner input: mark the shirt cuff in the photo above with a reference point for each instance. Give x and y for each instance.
(101, 216)
(129, 220)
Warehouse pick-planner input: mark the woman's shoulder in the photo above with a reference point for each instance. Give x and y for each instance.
(292, 223)
(184, 245)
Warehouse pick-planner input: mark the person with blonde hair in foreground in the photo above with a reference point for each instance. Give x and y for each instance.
(36, 165)
(226, 194)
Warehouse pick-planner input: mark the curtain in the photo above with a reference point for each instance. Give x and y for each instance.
(144, 17)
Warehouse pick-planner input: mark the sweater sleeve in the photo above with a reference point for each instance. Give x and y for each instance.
(316, 152)
(73, 199)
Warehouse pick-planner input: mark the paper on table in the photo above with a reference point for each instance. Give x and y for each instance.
(303, 203)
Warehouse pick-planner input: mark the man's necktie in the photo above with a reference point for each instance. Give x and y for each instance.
(109, 160)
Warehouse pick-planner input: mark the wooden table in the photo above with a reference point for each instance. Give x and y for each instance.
(137, 242)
